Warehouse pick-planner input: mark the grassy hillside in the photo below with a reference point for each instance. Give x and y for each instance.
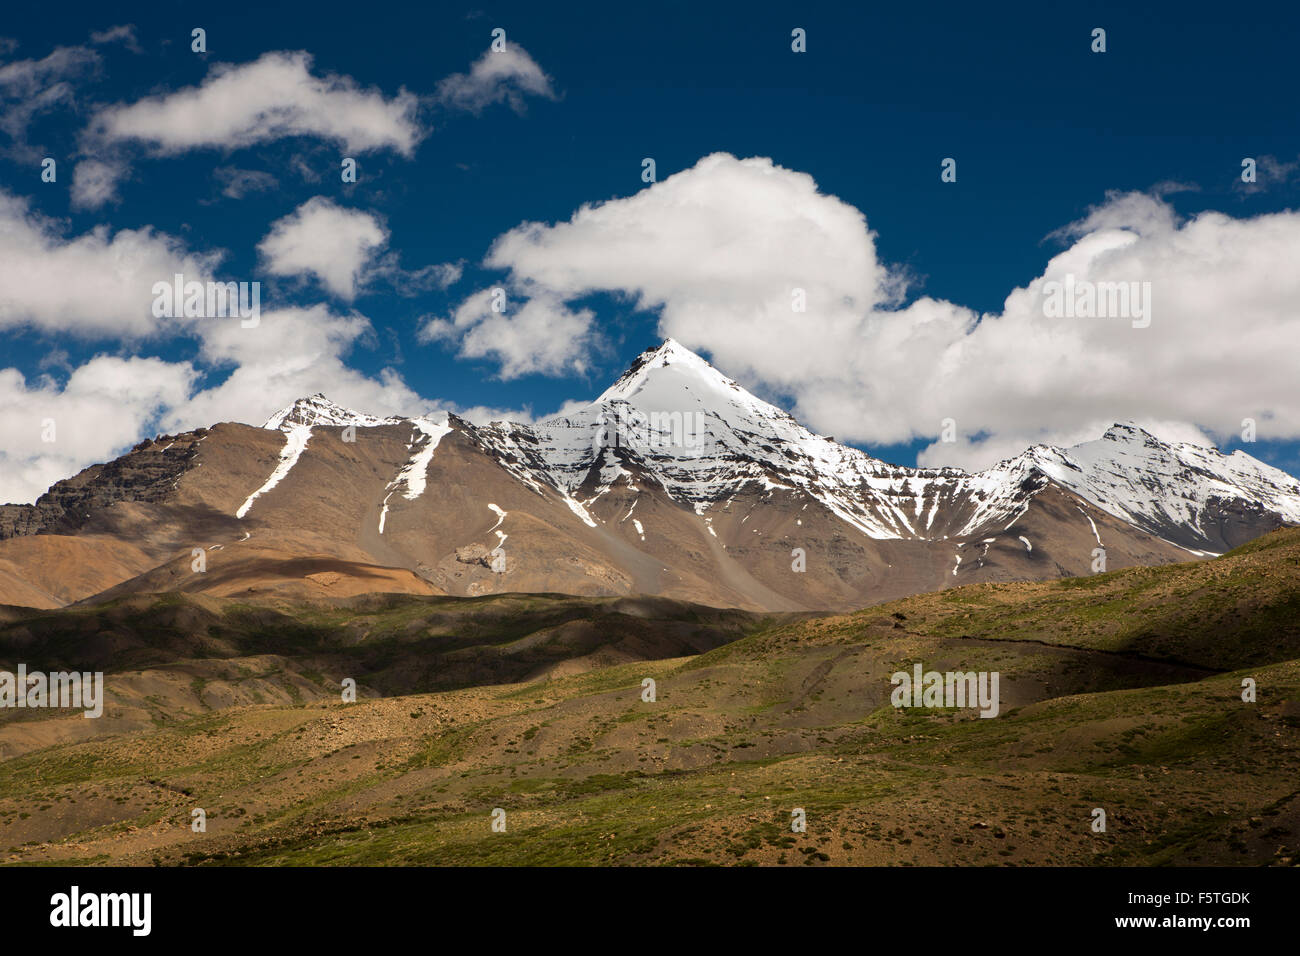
(1120, 692)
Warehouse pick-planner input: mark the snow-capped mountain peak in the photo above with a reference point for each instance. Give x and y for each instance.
(1179, 491)
(319, 410)
(672, 379)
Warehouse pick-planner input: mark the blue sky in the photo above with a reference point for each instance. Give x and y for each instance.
(1043, 130)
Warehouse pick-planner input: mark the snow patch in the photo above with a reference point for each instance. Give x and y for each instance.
(501, 516)
(580, 511)
(295, 443)
(414, 474)
(1093, 524)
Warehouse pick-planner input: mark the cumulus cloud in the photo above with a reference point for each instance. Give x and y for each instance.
(321, 238)
(541, 335)
(94, 284)
(1222, 303)
(273, 97)
(728, 238)
(49, 432)
(296, 352)
(291, 353)
(724, 250)
(342, 249)
(498, 76)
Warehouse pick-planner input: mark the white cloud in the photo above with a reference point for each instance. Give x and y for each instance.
(483, 414)
(104, 406)
(504, 76)
(297, 352)
(322, 239)
(94, 182)
(291, 353)
(540, 335)
(728, 241)
(1216, 351)
(273, 97)
(97, 283)
(341, 248)
(720, 249)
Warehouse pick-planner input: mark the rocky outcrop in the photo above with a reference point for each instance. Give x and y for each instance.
(148, 472)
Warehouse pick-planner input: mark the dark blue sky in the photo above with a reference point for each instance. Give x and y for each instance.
(1042, 129)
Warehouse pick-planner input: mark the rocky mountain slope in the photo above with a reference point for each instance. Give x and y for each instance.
(675, 481)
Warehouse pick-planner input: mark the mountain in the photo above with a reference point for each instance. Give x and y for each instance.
(675, 481)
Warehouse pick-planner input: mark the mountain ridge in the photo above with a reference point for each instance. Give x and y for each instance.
(1053, 461)
(674, 481)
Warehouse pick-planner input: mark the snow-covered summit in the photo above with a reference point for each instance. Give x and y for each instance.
(1178, 491)
(319, 410)
(675, 421)
(665, 368)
